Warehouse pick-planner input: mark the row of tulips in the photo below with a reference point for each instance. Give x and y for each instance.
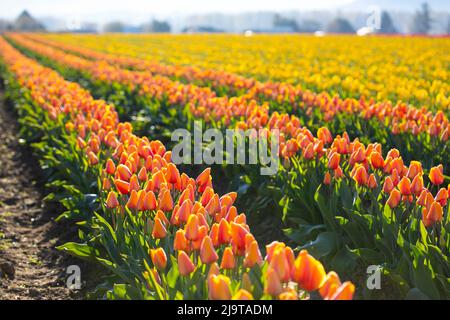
(400, 125)
(417, 73)
(353, 203)
(162, 232)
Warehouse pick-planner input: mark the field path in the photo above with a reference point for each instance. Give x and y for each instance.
(30, 266)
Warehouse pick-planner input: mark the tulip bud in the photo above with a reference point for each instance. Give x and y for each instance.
(185, 265)
(159, 258)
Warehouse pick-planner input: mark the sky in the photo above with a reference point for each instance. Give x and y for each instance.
(99, 9)
(138, 11)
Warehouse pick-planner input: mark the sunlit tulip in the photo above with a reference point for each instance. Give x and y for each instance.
(344, 292)
(159, 230)
(252, 255)
(180, 241)
(159, 258)
(228, 261)
(165, 201)
(405, 186)
(437, 175)
(242, 294)
(150, 202)
(111, 200)
(394, 198)
(192, 227)
(208, 254)
(122, 186)
(219, 287)
(133, 200)
(273, 284)
(309, 272)
(110, 167)
(185, 265)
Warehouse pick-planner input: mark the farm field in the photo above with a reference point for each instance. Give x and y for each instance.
(355, 180)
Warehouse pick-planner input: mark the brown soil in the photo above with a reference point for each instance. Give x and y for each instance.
(30, 266)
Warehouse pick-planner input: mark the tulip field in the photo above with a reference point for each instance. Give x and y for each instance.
(362, 180)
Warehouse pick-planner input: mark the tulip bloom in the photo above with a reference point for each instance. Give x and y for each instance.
(185, 265)
(192, 227)
(388, 185)
(361, 176)
(110, 167)
(242, 294)
(208, 254)
(394, 198)
(180, 241)
(159, 258)
(159, 231)
(252, 255)
(308, 272)
(334, 160)
(329, 285)
(165, 201)
(228, 261)
(405, 186)
(344, 292)
(219, 287)
(273, 284)
(111, 200)
(437, 175)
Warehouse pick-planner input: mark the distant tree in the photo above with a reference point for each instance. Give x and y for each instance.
(157, 26)
(114, 26)
(281, 22)
(309, 26)
(387, 26)
(340, 25)
(25, 22)
(422, 21)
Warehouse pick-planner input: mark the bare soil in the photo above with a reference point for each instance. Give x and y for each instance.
(30, 266)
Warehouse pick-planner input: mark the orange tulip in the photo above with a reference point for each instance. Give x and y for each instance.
(180, 241)
(308, 272)
(204, 177)
(134, 183)
(159, 258)
(437, 175)
(435, 213)
(376, 159)
(417, 185)
(273, 284)
(372, 183)
(330, 285)
(185, 265)
(252, 255)
(142, 175)
(361, 176)
(124, 172)
(388, 185)
(192, 227)
(111, 200)
(165, 201)
(334, 160)
(405, 186)
(159, 231)
(242, 294)
(133, 200)
(394, 198)
(208, 254)
(344, 292)
(219, 287)
(327, 179)
(150, 202)
(122, 186)
(224, 233)
(228, 261)
(110, 167)
(442, 197)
